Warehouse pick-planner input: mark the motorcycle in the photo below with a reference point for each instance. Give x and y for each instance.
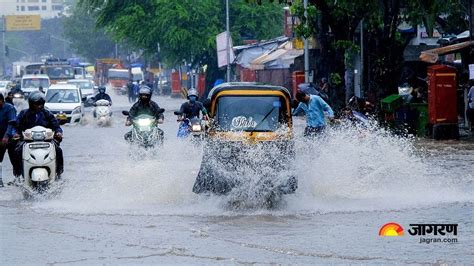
(103, 113)
(145, 131)
(190, 126)
(39, 160)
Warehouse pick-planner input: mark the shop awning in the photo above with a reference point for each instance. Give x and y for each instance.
(432, 56)
(279, 58)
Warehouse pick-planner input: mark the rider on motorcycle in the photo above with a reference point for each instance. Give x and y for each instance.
(144, 105)
(193, 107)
(36, 115)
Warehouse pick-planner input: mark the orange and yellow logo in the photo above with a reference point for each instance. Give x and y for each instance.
(391, 229)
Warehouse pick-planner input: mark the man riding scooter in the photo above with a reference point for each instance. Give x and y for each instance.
(36, 115)
(102, 96)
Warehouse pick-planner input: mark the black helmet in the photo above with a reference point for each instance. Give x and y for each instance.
(102, 89)
(145, 93)
(36, 97)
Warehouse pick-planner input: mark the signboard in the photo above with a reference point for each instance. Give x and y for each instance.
(20, 23)
(222, 49)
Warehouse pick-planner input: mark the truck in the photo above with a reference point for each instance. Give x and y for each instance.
(58, 70)
(102, 67)
(117, 80)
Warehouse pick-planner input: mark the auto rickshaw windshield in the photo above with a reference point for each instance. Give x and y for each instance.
(249, 113)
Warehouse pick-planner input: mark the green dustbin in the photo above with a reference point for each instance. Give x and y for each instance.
(422, 118)
(391, 103)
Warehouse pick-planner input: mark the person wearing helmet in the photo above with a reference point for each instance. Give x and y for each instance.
(144, 105)
(36, 115)
(102, 95)
(314, 107)
(193, 107)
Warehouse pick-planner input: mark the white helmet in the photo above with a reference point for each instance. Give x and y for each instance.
(145, 90)
(192, 92)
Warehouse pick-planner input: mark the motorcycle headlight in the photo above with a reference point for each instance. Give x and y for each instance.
(76, 110)
(197, 128)
(38, 136)
(144, 122)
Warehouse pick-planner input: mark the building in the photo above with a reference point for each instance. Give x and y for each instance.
(45, 8)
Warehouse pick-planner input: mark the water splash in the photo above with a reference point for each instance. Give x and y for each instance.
(350, 169)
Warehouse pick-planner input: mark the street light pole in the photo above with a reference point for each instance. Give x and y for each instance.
(4, 49)
(228, 38)
(305, 41)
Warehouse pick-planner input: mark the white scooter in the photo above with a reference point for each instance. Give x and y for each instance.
(103, 113)
(39, 159)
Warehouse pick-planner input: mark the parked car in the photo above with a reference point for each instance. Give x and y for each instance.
(65, 101)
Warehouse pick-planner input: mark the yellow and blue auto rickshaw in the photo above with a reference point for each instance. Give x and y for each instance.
(250, 140)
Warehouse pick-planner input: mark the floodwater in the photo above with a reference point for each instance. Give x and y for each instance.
(116, 208)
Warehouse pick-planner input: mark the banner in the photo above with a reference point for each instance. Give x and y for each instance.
(222, 49)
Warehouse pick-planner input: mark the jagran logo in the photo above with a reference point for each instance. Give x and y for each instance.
(391, 229)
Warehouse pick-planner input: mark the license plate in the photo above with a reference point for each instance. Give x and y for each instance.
(61, 117)
(147, 128)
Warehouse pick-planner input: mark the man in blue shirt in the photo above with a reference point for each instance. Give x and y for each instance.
(314, 107)
(36, 115)
(7, 114)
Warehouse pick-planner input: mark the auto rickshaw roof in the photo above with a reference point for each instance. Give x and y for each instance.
(229, 86)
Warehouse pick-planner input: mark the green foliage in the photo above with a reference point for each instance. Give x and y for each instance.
(87, 40)
(185, 29)
(335, 79)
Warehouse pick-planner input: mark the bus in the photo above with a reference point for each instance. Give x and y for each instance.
(33, 68)
(57, 70)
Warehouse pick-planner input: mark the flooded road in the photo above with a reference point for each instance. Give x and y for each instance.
(114, 208)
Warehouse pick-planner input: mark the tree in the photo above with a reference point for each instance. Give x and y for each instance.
(185, 29)
(333, 23)
(86, 39)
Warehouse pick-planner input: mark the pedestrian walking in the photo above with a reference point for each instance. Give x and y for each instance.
(130, 91)
(7, 115)
(470, 106)
(314, 107)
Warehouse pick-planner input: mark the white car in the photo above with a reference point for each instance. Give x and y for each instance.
(86, 86)
(65, 102)
(30, 83)
(4, 87)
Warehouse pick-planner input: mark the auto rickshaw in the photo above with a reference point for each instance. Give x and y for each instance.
(249, 142)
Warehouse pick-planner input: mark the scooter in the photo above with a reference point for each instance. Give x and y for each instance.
(103, 113)
(190, 126)
(145, 131)
(39, 160)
